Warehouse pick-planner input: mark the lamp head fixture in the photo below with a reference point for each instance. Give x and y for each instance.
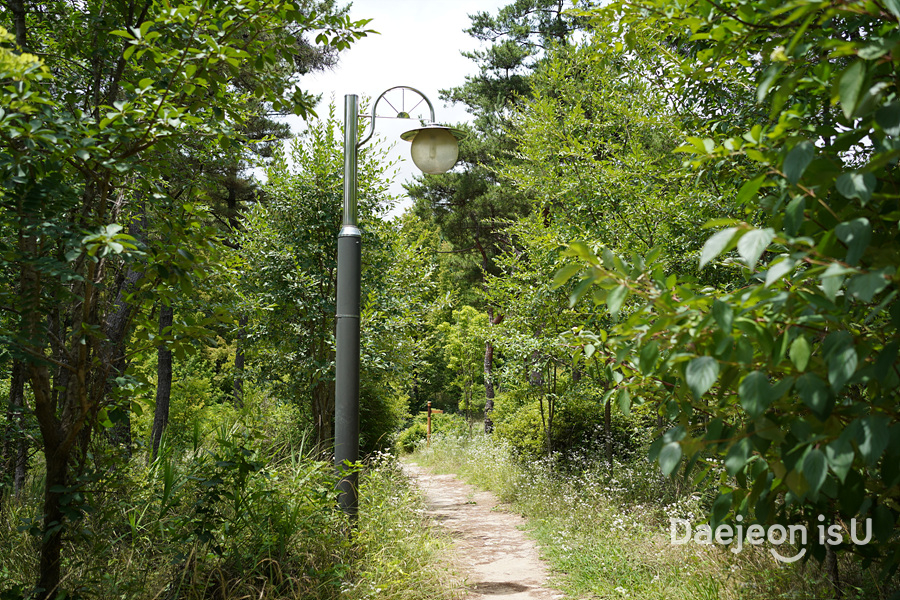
(435, 148)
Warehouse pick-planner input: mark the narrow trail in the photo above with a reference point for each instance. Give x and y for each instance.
(497, 558)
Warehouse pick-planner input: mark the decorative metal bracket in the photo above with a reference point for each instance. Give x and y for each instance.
(399, 113)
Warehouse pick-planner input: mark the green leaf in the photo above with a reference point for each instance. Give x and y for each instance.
(815, 469)
(832, 279)
(797, 160)
(856, 185)
(581, 250)
(842, 363)
(755, 393)
(750, 188)
(623, 400)
(866, 285)
(580, 290)
(717, 244)
(723, 314)
(800, 352)
(872, 437)
(840, 457)
(615, 298)
(893, 6)
(883, 523)
(794, 215)
(766, 82)
(609, 259)
(752, 245)
(721, 506)
(815, 395)
(669, 457)
(564, 274)
(737, 456)
(648, 357)
(700, 374)
(779, 269)
(888, 118)
(850, 86)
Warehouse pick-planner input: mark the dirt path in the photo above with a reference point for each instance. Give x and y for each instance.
(498, 559)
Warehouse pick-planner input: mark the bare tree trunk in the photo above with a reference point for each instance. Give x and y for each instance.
(323, 416)
(238, 386)
(61, 417)
(21, 463)
(551, 409)
(59, 435)
(489, 374)
(535, 374)
(117, 327)
(13, 440)
(488, 387)
(830, 566)
(17, 8)
(51, 546)
(163, 380)
(607, 430)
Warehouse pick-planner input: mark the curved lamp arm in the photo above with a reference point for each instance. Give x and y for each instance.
(370, 130)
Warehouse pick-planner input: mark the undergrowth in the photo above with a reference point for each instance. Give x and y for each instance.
(605, 530)
(229, 517)
(401, 555)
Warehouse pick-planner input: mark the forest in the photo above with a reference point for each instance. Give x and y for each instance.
(661, 282)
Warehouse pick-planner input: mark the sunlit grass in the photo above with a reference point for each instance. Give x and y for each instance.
(189, 527)
(402, 556)
(605, 530)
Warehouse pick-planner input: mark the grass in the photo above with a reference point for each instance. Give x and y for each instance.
(226, 521)
(605, 531)
(402, 556)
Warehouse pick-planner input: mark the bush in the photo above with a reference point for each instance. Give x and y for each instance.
(381, 412)
(578, 425)
(441, 423)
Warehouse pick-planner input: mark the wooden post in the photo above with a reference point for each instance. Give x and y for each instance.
(429, 423)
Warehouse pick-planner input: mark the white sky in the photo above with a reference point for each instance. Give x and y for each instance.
(419, 46)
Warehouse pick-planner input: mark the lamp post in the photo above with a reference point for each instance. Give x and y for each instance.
(434, 150)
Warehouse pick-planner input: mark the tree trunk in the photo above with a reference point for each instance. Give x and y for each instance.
(117, 327)
(489, 374)
(163, 380)
(238, 386)
(14, 441)
(21, 462)
(535, 374)
(17, 8)
(488, 387)
(830, 566)
(59, 435)
(607, 430)
(51, 546)
(322, 405)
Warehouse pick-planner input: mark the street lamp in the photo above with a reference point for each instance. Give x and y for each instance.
(434, 150)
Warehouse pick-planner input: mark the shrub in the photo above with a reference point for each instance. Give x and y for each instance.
(578, 425)
(441, 423)
(381, 412)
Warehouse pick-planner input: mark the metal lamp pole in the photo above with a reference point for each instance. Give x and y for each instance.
(346, 360)
(434, 150)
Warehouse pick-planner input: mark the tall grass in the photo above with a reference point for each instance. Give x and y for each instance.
(230, 517)
(605, 530)
(401, 555)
